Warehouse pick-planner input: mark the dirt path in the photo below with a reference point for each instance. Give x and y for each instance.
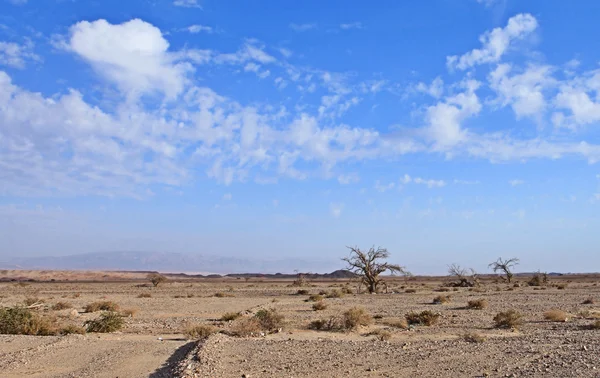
(101, 356)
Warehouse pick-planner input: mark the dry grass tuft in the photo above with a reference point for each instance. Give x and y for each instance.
(381, 334)
(426, 318)
(561, 286)
(315, 298)
(106, 323)
(397, 323)
(302, 292)
(102, 306)
(477, 304)
(199, 331)
(410, 291)
(61, 306)
(144, 295)
(335, 293)
(556, 316)
(33, 301)
(269, 319)
(589, 301)
(441, 299)
(595, 325)
(319, 306)
(473, 337)
(230, 316)
(508, 319)
(356, 316)
(246, 327)
(129, 312)
(72, 330)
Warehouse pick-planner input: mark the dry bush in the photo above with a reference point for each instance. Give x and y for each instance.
(556, 316)
(190, 295)
(587, 314)
(156, 278)
(397, 323)
(381, 334)
(198, 331)
(72, 330)
(269, 319)
(246, 327)
(538, 279)
(107, 322)
(561, 286)
(318, 306)
(223, 295)
(61, 306)
(441, 299)
(410, 291)
(356, 316)
(144, 295)
(589, 301)
(302, 292)
(315, 298)
(442, 290)
(595, 325)
(335, 293)
(76, 295)
(324, 324)
(477, 304)
(347, 290)
(23, 321)
(508, 319)
(473, 337)
(426, 318)
(102, 306)
(229, 316)
(129, 312)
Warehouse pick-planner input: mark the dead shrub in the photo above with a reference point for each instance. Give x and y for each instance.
(381, 334)
(347, 290)
(61, 306)
(302, 292)
(220, 294)
(426, 318)
(397, 323)
(556, 316)
(589, 301)
(356, 316)
(333, 323)
(441, 299)
(315, 298)
(477, 304)
(335, 293)
(269, 319)
(508, 319)
(102, 306)
(144, 295)
(410, 291)
(23, 321)
(198, 331)
(33, 301)
(107, 322)
(319, 306)
(229, 316)
(129, 312)
(561, 286)
(246, 327)
(72, 330)
(473, 337)
(595, 325)
(538, 279)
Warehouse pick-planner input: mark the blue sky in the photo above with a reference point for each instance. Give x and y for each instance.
(446, 131)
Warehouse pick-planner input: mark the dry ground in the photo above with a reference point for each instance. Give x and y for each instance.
(540, 348)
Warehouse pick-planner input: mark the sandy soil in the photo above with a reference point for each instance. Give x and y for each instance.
(539, 349)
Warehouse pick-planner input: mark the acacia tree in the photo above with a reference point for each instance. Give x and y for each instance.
(505, 266)
(369, 265)
(464, 279)
(156, 278)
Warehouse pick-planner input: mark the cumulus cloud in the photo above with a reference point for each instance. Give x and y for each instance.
(495, 43)
(16, 55)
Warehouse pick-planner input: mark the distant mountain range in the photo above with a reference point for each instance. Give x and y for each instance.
(168, 263)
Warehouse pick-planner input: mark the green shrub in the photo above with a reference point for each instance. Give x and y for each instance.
(23, 321)
(106, 323)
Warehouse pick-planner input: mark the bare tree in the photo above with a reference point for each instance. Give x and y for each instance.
(505, 266)
(156, 278)
(464, 277)
(369, 265)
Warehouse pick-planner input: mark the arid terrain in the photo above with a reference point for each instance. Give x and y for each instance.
(464, 342)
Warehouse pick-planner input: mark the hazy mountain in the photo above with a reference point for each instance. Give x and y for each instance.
(168, 262)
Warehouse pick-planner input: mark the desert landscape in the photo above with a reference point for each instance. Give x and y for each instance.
(302, 326)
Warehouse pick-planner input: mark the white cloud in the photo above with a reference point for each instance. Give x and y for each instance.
(435, 89)
(285, 52)
(227, 197)
(581, 98)
(194, 29)
(516, 182)
(16, 55)
(133, 55)
(406, 179)
(335, 209)
(187, 3)
(495, 43)
(349, 178)
(381, 188)
(302, 27)
(352, 25)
